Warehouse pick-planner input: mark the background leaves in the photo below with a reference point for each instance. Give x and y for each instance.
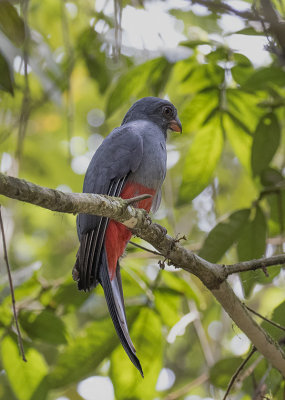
(224, 190)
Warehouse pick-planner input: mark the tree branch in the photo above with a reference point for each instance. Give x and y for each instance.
(252, 265)
(212, 275)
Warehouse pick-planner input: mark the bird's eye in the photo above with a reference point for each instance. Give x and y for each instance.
(167, 112)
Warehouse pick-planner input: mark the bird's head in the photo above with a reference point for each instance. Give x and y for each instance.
(161, 112)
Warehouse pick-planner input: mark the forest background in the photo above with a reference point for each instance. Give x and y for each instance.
(68, 73)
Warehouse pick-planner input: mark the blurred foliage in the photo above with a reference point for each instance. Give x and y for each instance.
(62, 89)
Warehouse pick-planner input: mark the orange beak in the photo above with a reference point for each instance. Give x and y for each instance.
(175, 125)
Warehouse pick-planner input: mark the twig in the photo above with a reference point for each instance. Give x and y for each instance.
(252, 265)
(138, 198)
(240, 368)
(185, 389)
(20, 341)
(266, 319)
(220, 7)
(145, 249)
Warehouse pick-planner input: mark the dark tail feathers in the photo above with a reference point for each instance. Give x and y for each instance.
(114, 296)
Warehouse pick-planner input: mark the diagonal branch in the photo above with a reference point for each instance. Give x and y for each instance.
(213, 276)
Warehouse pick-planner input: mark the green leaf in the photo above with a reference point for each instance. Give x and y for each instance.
(223, 236)
(223, 370)
(271, 177)
(139, 81)
(11, 24)
(252, 245)
(265, 142)
(167, 303)
(83, 355)
(45, 326)
(239, 140)
(242, 69)
(264, 78)
(6, 75)
(89, 46)
(26, 379)
(201, 161)
(197, 111)
(252, 242)
(249, 31)
(147, 338)
(278, 316)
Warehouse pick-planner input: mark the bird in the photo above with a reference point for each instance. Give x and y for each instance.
(131, 161)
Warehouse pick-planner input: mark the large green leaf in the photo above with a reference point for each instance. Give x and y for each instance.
(83, 354)
(167, 304)
(223, 370)
(201, 160)
(223, 236)
(239, 140)
(265, 142)
(242, 69)
(150, 76)
(264, 78)
(147, 337)
(26, 379)
(45, 326)
(6, 75)
(252, 244)
(198, 111)
(11, 24)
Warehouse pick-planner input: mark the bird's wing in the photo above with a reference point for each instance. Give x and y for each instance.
(120, 154)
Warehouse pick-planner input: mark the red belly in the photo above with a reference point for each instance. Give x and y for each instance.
(117, 235)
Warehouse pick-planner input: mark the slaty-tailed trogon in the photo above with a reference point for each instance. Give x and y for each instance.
(130, 161)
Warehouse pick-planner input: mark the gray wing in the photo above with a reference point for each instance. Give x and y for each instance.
(119, 155)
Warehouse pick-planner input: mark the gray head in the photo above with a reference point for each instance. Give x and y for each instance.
(156, 110)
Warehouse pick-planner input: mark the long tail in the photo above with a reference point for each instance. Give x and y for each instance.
(113, 291)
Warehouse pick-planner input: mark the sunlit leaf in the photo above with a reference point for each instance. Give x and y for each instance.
(198, 111)
(240, 141)
(167, 303)
(265, 142)
(201, 161)
(26, 379)
(223, 236)
(11, 24)
(146, 336)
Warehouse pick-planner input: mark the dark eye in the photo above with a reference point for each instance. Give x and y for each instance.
(167, 112)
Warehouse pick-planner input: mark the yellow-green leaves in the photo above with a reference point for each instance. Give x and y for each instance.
(265, 142)
(201, 160)
(26, 379)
